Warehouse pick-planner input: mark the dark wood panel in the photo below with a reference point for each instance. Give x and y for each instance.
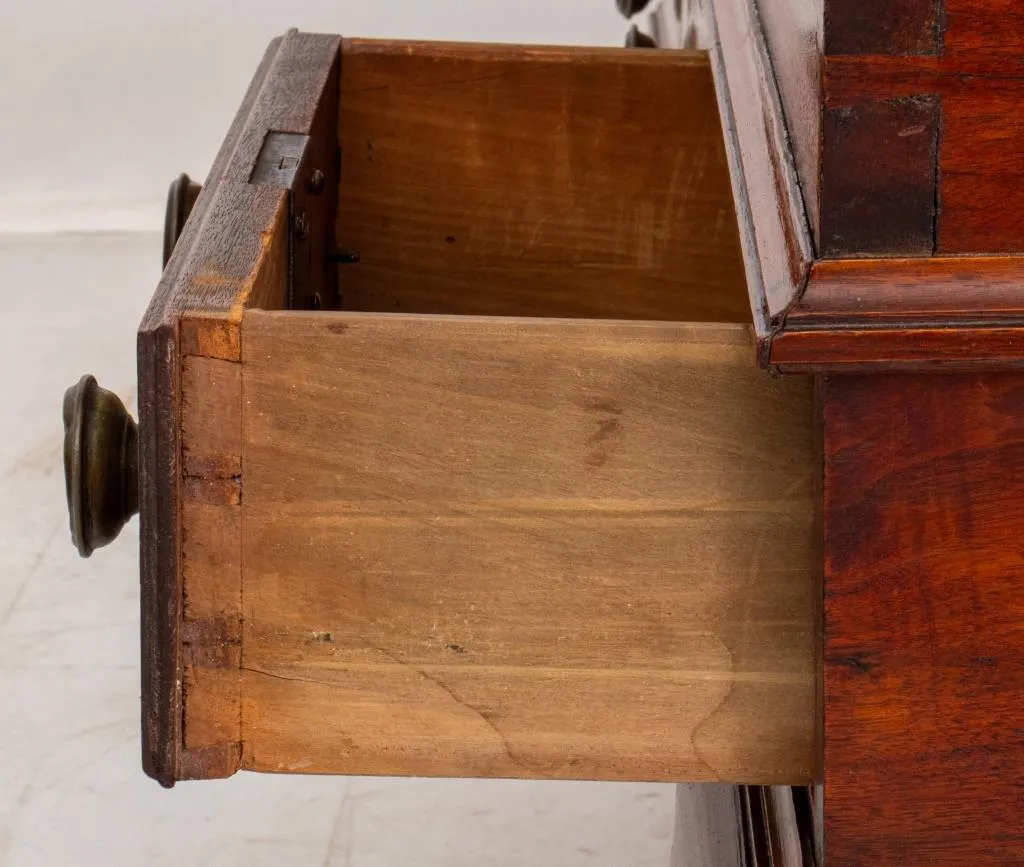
(903, 119)
(971, 63)
(985, 30)
(850, 80)
(879, 165)
(981, 149)
(284, 96)
(946, 290)
(981, 139)
(905, 146)
(983, 170)
(924, 634)
(900, 347)
(883, 27)
(882, 62)
(948, 312)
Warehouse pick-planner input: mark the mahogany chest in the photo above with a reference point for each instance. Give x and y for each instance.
(599, 413)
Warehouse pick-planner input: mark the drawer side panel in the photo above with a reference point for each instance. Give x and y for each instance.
(525, 548)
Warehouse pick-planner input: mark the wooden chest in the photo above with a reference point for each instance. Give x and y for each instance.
(511, 412)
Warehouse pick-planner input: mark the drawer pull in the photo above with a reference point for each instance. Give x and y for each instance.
(101, 468)
(636, 38)
(181, 198)
(629, 8)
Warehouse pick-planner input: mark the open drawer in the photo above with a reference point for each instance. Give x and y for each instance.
(454, 458)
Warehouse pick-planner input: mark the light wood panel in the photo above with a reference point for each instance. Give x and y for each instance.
(527, 548)
(514, 180)
(211, 529)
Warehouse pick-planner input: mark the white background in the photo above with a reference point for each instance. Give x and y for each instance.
(102, 103)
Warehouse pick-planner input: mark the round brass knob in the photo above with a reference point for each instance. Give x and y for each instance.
(629, 8)
(636, 38)
(181, 198)
(101, 464)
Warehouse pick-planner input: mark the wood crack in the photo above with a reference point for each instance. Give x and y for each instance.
(449, 692)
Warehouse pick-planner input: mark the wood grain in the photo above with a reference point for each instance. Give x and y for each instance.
(211, 577)
(211, 418)
(982, 164)
(853, 80)
(284, 95)
(240, 251)
(232, 254)
(983, 170)
(964, 54)
(774, 229)
(947, 116)
(793, 31)
(985, 31)
(980, 154)
(883, 314)
(880, 150)
(529, 548)
(919, 156)
(904, 347)
(852, 77)
(879, 164)
(924, 638)
(867, 186)
(515, 181)
(895, 27)
(159, 504)
(954, 290)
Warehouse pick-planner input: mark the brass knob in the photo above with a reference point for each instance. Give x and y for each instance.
(101, 464)
(629, 8)
(636, 38)
(181, 198)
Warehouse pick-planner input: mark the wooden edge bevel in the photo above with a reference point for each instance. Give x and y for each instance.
(233, 254)
(773, 222)
(484, 51)
(948, 313)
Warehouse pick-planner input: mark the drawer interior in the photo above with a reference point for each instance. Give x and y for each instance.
(546, 182)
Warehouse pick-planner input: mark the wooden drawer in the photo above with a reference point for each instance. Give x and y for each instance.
(454, 455)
